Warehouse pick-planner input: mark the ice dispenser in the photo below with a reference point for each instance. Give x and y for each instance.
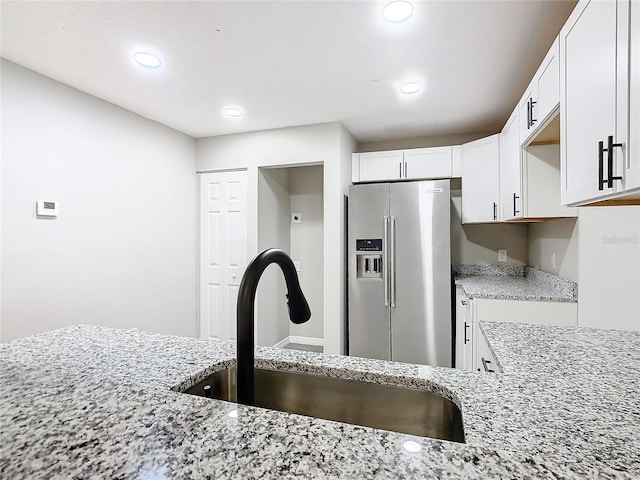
(369, 258)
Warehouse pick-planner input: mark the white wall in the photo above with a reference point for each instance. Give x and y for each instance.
(274, 205)
(609, 267)
(307, 244)
(122, 252)
(325, 144)
(555, 236)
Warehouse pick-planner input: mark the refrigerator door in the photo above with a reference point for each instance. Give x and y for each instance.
(421, 273)
(369, 334)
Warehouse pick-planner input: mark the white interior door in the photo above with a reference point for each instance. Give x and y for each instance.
(223, 250)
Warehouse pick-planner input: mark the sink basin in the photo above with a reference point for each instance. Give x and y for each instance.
(398, 409)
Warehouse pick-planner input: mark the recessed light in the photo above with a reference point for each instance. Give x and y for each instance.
(410, 87)
(146, 59)
(233, 112)
(412, 446)
(397, 11)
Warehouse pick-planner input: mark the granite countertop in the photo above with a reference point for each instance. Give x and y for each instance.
(514, 283)
(88, 401)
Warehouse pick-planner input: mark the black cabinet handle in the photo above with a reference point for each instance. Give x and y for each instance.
(601, 179)
(533, 120)
(466, 340)
(487, 366)
(610, 178)
(495, 211)
(515, 212)
(400, 172)
(528, 115)
(610, 147)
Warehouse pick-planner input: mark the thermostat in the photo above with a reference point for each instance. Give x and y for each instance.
(47, 209)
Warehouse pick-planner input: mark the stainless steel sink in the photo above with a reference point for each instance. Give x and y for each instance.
(398, 409)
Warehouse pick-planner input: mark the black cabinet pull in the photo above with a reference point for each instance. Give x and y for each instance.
(610, 178)
(515, 212)
(400, 172)
(487, 366)
(528, 115)
(533, 120)
(610, 147)
(495, 211)
(601, 179)
(466, 340)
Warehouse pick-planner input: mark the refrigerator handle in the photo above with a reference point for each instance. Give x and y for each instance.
(385, 260)
(392, 256)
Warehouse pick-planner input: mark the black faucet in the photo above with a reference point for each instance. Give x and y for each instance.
(298, 313)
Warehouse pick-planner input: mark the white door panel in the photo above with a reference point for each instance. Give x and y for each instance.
(223, 251)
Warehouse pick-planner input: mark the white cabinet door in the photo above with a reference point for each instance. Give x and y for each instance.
(632, 173)
(380, 166)
(432, 162)
(223, 250)
(480, 180)
(590, 88)
(547, 82)
(510, 165)
(464, 331)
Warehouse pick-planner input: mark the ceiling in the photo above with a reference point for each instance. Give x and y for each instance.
(293, 62)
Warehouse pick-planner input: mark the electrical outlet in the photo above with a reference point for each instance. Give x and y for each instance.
(296, 217)
(502, 255)
(296, 263)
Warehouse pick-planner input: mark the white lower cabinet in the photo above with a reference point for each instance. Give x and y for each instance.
(476, 354)
(483, 360)
(464, 331)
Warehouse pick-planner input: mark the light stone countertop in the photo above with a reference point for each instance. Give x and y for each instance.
(514, 283)
(95, 402)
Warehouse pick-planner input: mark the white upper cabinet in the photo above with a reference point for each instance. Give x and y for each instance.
(547, 80)
(427, 163)
(542, 96)
(510, 174)
(599, 157)
(377, 166)
(480, 180)
(413, 164)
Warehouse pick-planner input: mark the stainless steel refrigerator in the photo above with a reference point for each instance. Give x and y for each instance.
(400, 272)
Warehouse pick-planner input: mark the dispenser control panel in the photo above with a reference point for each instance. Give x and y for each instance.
(369, 258)
(369, 245)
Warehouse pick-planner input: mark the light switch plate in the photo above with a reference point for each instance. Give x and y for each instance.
(296, 217)
(502, 255)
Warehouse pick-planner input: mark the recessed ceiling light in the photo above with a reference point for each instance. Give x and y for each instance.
(146, 59)
(233, 112)
(410, 87)
(397, 11)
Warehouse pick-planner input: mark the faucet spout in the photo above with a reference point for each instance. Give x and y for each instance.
(298, 313)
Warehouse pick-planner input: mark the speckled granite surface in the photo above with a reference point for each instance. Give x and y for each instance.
(562, 351)
(511, 282)
(93, 402)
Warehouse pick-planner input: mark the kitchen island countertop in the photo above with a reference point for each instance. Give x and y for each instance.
(88, 401)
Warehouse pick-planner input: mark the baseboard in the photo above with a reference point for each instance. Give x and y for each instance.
(282, 343)
(319, 342)
(307, 340)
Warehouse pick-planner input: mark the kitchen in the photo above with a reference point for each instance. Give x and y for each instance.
(123, 209)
